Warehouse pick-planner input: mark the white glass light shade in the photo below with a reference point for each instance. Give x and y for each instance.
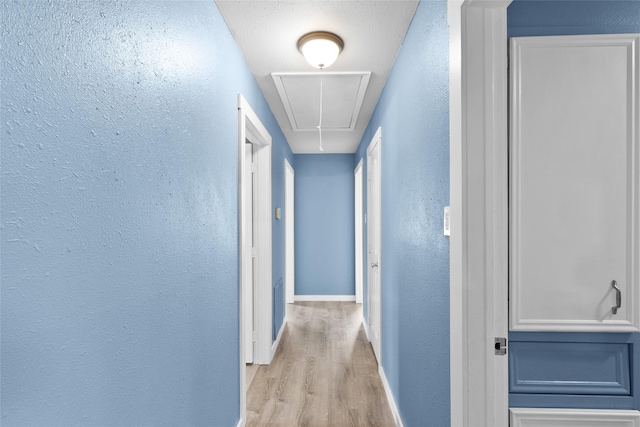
(320, 49)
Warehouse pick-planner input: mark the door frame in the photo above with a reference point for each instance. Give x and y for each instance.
(359, 226)
(479, 210)
(250, 128)
(376, 141)
(248, 224)
(289, 233)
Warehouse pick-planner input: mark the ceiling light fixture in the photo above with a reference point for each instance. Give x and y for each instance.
(320, 48)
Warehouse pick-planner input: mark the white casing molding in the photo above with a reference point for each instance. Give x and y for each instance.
(551, 417)
(289, 233)
(479, 211)
(365, 326)
(263, 235)
(325, 297)
(251, 128)
(358, 175)
(392, 402)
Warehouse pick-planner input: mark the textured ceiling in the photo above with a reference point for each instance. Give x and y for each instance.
(267, 33)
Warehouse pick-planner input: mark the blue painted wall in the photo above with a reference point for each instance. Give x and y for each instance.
(413, 112)
(324, 224)
(119, 196)
(545, 18)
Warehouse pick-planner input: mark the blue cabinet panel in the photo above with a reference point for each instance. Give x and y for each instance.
(569, 368)
(574, 370)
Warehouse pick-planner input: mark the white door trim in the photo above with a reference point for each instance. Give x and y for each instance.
(523, 417)
(359, 242)
(251, 128)
(247, 284)
(375, 324)
(479, 210)
(289, 233)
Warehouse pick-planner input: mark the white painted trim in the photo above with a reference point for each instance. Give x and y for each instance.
(479, 217)
(325, 298)
(366, 327)
(523, 417)
(241, 422)
(289, 219)
(392, 402)
(457, 344)
(358, 176)
(263, 276)
(276, 343)
(251, 128)
(376, 345)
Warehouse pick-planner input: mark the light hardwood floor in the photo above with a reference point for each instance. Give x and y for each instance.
(323, 374)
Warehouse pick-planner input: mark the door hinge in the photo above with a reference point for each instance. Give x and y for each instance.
(500, 346)
(254, 336)
(253, 252)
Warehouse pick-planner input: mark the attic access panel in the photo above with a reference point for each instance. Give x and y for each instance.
(342, 96)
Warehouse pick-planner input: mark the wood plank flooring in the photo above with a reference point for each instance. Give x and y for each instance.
(251, 372)
(323, 374)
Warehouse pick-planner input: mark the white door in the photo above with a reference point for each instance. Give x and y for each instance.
(248, 284)
(573, 225)
(574, 191)
(374, 239)
(289, 236)
(359, 267)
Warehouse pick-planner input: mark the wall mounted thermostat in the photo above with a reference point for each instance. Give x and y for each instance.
(447, 222)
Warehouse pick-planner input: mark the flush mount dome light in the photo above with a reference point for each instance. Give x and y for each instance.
(320, 48)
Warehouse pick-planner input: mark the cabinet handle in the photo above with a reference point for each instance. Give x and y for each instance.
(615, 308)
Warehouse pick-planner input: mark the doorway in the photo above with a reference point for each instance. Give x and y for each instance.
(374, 259)
(254, 243)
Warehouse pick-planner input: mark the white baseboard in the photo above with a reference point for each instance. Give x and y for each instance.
(366, 328)
(241, 423)
(276, 343)
(324, 297)
(392, 402)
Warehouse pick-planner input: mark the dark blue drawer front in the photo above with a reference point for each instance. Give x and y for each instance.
(569, 368)
(579, 370)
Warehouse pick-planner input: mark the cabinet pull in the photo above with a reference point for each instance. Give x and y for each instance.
(615, 308)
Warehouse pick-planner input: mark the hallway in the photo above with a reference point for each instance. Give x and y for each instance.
(323, 374)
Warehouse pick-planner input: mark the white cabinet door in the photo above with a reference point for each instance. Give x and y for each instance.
(542, 417)
(574, 183)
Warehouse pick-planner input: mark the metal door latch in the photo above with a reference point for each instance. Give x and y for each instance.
(500, 346)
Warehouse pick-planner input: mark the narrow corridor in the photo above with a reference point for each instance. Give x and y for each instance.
(323, 374)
